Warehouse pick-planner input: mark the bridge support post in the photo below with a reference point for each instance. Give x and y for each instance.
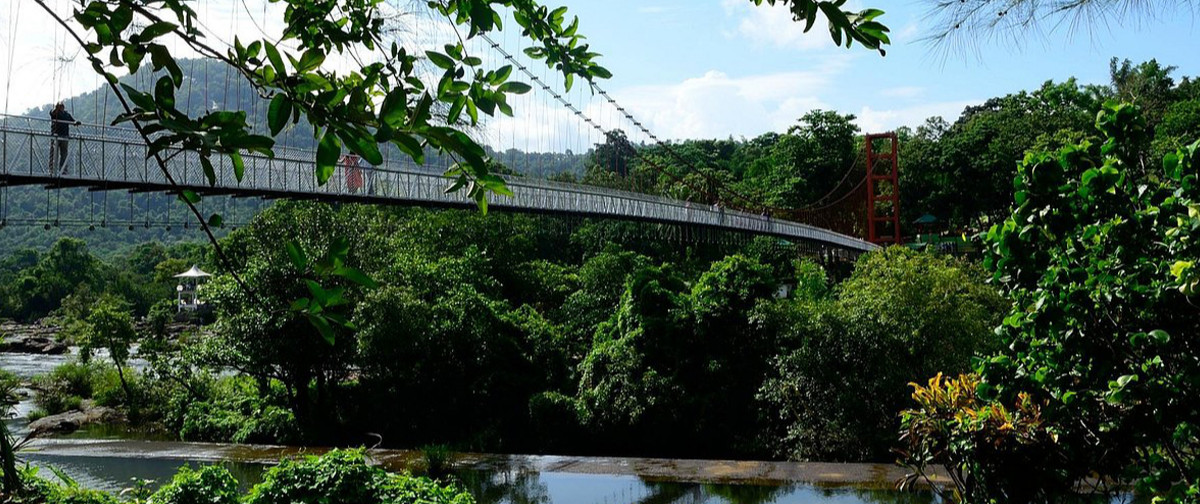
(883, 189)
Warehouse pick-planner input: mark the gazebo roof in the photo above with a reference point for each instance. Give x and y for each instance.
(193, 273)
(926, 219)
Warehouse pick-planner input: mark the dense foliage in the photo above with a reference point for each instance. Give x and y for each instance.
(961, 172)
(1095, 386)
(900, 314)
(522, 333)
(337, 476)
(68, 279)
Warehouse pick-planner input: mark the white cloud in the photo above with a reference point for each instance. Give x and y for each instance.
(871, 120)
(774, 26)
(713, 105)
(718, 105)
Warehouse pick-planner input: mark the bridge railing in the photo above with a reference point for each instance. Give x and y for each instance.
(116, 157)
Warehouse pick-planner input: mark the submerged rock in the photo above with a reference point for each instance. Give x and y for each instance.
(70, 421)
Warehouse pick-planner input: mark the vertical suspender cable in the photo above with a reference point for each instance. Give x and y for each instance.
(14, 14)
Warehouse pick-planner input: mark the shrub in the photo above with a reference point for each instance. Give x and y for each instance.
(107, 389)
(65, 387)
(160, 316)
(208, 485)
(37, 489)
(235, 413)
(344, 476)
(1011, 439)
(79, 495)
(9, 383)
(75, 378)
(53, 403)
(437, 459)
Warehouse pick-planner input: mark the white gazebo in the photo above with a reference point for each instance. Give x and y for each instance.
(189, 285)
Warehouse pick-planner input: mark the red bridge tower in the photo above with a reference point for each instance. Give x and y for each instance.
(883, 189)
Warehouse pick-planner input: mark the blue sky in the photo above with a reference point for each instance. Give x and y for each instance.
(714, 68)
(706, 68)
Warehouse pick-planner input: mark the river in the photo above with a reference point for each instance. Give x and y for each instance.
(114, 464)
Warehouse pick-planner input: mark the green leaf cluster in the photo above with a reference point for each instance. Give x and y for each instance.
(845, 27)
(1100, 339)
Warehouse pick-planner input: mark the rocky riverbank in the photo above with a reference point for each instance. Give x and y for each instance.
(41, 337)
(38, 338)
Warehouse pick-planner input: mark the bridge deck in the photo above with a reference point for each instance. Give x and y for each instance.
(112, 158)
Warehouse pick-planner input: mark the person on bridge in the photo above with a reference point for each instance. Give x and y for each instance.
(353, 168)
(60, 129)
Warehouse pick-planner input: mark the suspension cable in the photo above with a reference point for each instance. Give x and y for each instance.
(13, 21)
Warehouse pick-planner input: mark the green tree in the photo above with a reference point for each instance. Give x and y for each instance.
(597, 296)
(456, 347)
(629, 384)
(974, 169)
(674, 365)
(927, 189)
(109, 326)
(616, 154)
(815, 154)
(1180, 125)
(270, 333)
(62, 270)
(1098, 365)
(837, 388)
(1148, 85)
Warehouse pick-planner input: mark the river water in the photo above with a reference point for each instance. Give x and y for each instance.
(116, 464)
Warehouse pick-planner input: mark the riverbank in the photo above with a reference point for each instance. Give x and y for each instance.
(863, 476)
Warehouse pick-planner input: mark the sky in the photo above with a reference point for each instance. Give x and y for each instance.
(716, 68)
(731, 68)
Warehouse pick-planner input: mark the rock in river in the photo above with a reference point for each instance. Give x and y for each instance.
(65, 423)
(33, 339)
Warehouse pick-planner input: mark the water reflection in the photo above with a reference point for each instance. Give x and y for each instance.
(527, 487)
(114, 474)
(500, 486)
(495, 484)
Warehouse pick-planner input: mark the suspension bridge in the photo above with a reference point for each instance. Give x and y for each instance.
(104, 158)
(111, 158)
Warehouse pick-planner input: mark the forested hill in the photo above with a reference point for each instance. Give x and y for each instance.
(211, 85)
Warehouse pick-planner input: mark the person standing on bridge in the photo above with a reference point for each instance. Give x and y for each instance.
(353, 169)
(60, 129)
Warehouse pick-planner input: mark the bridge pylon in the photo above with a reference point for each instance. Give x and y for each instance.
(883, 189)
